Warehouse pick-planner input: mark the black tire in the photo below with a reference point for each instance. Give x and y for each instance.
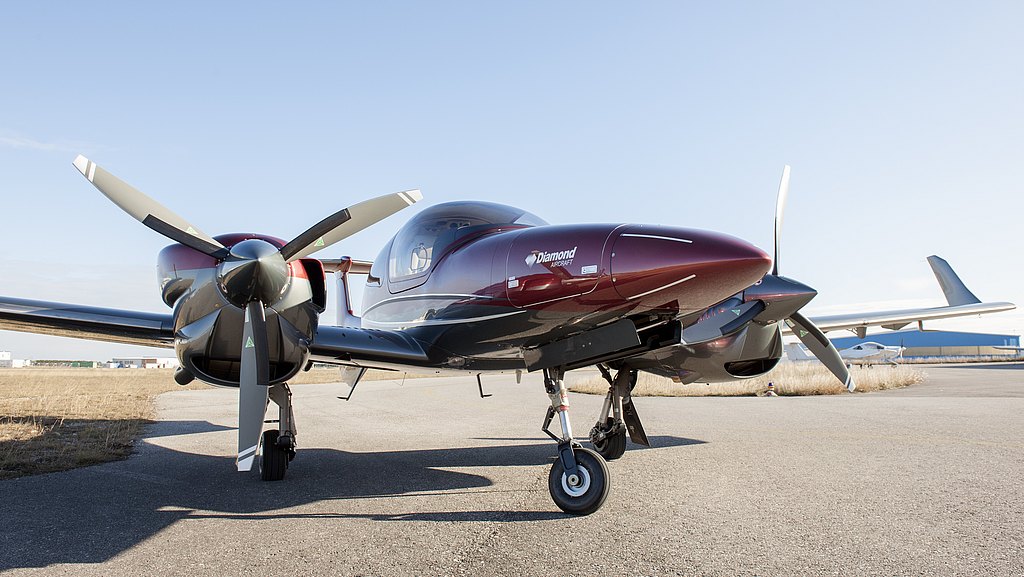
(595, 478)
(613, 446)
(273, 459)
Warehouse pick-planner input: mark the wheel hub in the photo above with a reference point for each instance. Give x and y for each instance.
(576, 485)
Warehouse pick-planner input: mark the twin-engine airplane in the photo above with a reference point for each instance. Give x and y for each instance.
(467, 286)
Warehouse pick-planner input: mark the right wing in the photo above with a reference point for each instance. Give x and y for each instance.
(962, 302)
(94, 323)
(895, 320)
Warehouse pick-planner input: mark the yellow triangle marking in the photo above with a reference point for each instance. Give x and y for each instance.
(319, 242)
(249, 344)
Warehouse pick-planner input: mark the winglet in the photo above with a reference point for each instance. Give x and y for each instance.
(954, 289)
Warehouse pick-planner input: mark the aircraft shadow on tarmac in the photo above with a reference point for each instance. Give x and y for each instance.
(90, 515)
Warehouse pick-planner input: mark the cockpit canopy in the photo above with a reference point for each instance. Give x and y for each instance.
(425, 238)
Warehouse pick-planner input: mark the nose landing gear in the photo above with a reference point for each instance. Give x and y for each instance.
(578, 481)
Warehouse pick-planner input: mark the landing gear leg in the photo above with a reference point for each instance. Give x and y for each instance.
(618, 416)
(279, 445)
(578, 480)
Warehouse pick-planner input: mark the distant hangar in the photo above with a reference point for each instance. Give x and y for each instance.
(941, 343)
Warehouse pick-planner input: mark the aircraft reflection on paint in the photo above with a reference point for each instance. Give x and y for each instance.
(465, 286)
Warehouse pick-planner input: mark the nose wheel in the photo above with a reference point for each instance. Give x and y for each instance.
(582, 492)
(578, 481)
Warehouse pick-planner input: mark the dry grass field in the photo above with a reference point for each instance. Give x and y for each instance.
(788, 379)
(52, 419)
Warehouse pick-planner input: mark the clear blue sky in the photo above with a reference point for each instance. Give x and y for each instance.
(903, 122)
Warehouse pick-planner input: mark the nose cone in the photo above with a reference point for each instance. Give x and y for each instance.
(783, 296)
(255, 270)
(699, 268)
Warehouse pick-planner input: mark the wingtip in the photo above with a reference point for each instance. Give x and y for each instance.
(81, 163)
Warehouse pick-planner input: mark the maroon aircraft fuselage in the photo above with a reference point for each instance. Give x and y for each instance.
(476, 284)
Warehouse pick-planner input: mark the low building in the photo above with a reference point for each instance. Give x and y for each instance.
(941, 343)
(143, 363)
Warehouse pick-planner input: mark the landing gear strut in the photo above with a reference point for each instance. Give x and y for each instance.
(618, 416)
(578, 480)
(279, 445)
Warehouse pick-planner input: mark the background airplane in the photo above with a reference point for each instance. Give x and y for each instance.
(866, 353)
(474, 287)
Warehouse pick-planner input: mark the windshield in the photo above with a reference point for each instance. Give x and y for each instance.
(429, 233)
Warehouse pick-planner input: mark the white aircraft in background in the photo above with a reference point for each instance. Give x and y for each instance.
(866, 353)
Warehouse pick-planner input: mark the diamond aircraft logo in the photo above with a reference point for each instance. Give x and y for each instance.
(559, 258)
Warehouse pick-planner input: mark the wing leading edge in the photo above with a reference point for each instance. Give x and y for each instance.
(84, 322)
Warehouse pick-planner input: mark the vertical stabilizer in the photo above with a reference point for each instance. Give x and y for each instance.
(954, 289)
(346, 317)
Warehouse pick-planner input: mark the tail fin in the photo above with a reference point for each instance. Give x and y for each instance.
(796, 352)
(954, 289)
(344, 267)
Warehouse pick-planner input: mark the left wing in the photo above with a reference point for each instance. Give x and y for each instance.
(94, 323)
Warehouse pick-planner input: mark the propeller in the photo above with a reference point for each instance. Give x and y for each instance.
(148, 211)
(252, 274)
(811, 336)
(252, 384)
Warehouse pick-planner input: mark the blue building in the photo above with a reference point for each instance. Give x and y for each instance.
(940, 343)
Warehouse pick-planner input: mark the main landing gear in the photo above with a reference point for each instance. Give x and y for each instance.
(578, 480)
(609, 434)
(279, 444)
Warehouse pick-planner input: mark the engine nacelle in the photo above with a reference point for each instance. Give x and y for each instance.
(208, 326)
(750, 352)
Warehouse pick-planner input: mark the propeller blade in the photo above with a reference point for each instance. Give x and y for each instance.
(815, 340)
(347, 222)
(780, 209)
(148, 211)
(253, 383)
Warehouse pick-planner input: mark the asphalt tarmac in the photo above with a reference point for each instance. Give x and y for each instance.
(426, 478)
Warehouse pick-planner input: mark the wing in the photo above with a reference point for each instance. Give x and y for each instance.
(962, 302)
(366, 348)
(94, 323)
(898, 319)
